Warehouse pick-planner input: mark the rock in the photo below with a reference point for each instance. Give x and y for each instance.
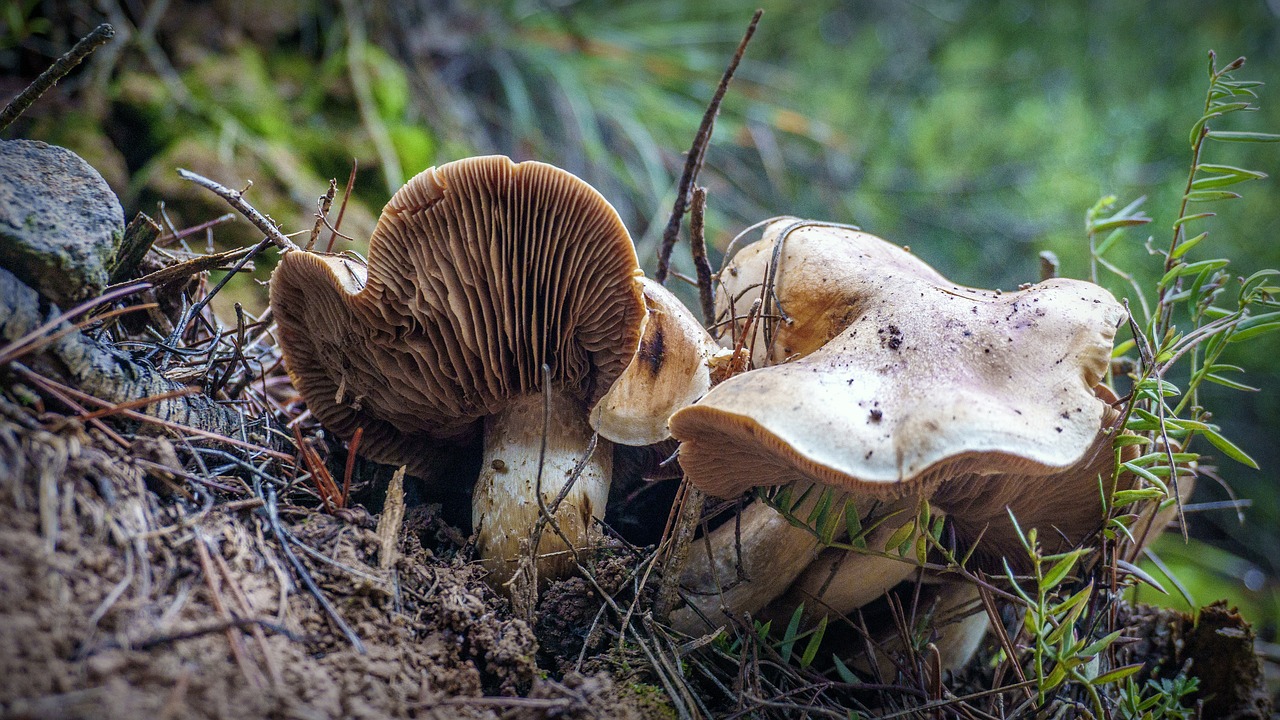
(60, 224)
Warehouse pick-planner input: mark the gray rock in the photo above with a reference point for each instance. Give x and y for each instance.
(60, 224)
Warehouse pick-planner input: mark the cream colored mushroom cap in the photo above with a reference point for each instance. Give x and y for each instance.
(927, 380)
(480, 271)
(670, 371)
(819, 282)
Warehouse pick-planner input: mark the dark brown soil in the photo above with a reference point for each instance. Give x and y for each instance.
(121, 599)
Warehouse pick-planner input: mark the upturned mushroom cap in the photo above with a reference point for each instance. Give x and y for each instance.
(670, 370)
(926, 383)
(480, 271)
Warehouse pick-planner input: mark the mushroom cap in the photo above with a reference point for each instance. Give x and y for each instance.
(819, 282)
(670, 370)
(928, 382)
(480, 271)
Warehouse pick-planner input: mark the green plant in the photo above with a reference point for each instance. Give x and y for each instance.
(1060, 653)
(1195, 318)
(1157, 700)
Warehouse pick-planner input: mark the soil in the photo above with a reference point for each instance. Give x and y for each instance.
(121, 598)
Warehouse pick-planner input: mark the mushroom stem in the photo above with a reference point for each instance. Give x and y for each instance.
(773, 553)
(840, 581)
(505, 508)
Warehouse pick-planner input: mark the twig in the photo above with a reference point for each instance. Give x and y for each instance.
(186, 232)
(693, 161)
(698, 246)
(691, 502)
(273, 519)
(56, 72)
(219, 626)
(325, 486)
(139, 236)
(391, 521)
(196, 309)
(235, 199)
(352, 449)
(198, 264)
(322, 211)
(342, 209)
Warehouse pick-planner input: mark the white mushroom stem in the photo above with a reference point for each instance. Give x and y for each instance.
(773, 552)
(505, 508)
(839, 581)
(959, 624)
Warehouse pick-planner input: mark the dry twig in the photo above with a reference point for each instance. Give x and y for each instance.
(697, 153)
(56, 72)
(235, 199)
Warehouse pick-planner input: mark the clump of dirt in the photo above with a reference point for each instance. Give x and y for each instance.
(120, 601)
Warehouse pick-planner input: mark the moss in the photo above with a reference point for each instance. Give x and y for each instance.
(649, 700)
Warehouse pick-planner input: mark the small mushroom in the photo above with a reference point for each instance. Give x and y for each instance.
(670, 370)
(748, 562)
(481, 272)
(888, 382)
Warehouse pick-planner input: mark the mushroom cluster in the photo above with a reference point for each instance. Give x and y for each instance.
(497, 295)
(879, 378)
(503, 303)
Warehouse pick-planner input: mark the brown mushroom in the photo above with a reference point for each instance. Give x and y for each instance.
(481, 272)
(895, 383)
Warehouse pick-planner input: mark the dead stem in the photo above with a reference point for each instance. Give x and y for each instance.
(199, 264)
(54, 73)
(235, 199)
(697, 153)
(691, 501)
(342, 209)
(322, 213)
(698, 246)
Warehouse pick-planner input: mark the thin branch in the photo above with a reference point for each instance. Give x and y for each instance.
(342, 209)
(698, 246)
(322, 211)
(56, 72)
(693, 161)
(273, 519)
(235, 199)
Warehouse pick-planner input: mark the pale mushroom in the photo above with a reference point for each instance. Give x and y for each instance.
(895, 383)
(670, 370)
(480, 272)
(747, 563)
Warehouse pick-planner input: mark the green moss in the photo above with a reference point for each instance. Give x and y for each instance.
(649, 700)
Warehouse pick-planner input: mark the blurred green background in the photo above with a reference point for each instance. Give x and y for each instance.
(978, 133)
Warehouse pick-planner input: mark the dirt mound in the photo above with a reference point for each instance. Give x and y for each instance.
(121, 598)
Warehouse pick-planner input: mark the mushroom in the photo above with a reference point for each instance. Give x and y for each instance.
(895, 383)
(670, 370)
(749, 561)
(481, 272)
